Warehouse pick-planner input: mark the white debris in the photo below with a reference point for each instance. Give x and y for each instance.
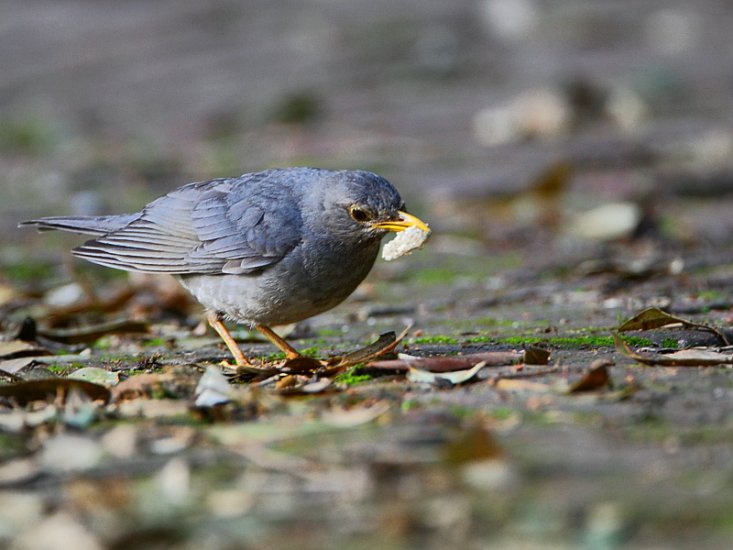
(608, 222)
(212, 389)
(544, 113)
(405, 242)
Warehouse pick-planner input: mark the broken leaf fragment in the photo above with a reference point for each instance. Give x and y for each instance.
(96, 375)
(475, 443)
(302, 385)
(212, 388)
(534, 356)
(415, 374)
(519, 385)
(91, 333)
(596, 378)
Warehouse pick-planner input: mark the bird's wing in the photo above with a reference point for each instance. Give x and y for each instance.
(223, 226)
(92, 225)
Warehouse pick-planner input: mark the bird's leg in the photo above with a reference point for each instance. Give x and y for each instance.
(290, 351)
(216, 323)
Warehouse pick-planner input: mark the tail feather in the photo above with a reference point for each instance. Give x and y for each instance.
(88, 225)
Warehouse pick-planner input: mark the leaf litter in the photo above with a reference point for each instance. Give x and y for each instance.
(292, 429)
(655, 318)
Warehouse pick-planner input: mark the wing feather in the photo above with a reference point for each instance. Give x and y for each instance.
(222, 226)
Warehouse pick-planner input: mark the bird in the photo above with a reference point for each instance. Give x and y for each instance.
(267, 248)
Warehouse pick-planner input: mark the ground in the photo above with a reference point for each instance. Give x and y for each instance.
(573, 161)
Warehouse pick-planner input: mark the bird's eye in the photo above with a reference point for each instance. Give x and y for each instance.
(359, 214)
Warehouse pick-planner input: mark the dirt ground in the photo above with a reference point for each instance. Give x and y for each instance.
(573, 160)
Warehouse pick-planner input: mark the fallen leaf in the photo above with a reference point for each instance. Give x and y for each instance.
(90, 334)
(653, 317)
(473, 444)
(152, 408)
(11, 366)
(113, 302)
(18, 470)
(173, 482)
(301, 365)
(17, 420)
(683, 358)
(59, 526)
(20, 511)
(96, 375)
(386, 343)
(79, 410)
(355, 416)
(20, 348)
(450, 364)
(535, 355)
(49, 389)
(595, 379)
(7, 294)
(610, 221)
(514, 384)
(141, 385)
(299, 385)
(68, 452)
(212, 388)
(416, 374)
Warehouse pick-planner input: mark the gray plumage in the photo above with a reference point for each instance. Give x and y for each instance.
(268, 248)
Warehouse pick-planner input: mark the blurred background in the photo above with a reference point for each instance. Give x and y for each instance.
(574, 160)
(469, 107)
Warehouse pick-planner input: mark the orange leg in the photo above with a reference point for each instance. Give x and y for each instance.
(225, 335)
(290, 351)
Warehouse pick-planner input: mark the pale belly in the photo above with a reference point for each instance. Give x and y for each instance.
(288, 292)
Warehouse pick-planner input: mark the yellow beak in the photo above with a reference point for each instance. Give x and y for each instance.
(404, 221)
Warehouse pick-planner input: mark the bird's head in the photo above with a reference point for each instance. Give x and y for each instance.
(362, 206)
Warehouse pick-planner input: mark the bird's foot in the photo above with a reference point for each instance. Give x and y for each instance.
(290, 352)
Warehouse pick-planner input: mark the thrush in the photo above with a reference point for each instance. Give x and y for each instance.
(267, 248)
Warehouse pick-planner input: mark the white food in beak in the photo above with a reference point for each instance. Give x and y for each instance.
(404, 242)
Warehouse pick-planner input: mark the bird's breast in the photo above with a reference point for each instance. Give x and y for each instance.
(309, 280)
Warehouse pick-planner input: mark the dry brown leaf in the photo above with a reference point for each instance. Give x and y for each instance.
(114, 302)
(301, 365)
(683, 358)
(654, 317)
(302, 385)
(536, 355)
(151, 408)
(212, 388)
(10, 367)
(142, 385)
(355, 416)
(595, 379)
(473, 444)
(415, 374)
(515, 384)
(90, 334)
(97, 375)
(450, 364)
(386, 343)
(49, 389)
(20, 348)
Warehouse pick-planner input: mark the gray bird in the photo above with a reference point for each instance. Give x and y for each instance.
(268, 248)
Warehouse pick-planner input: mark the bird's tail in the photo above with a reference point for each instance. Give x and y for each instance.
(89, 225)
